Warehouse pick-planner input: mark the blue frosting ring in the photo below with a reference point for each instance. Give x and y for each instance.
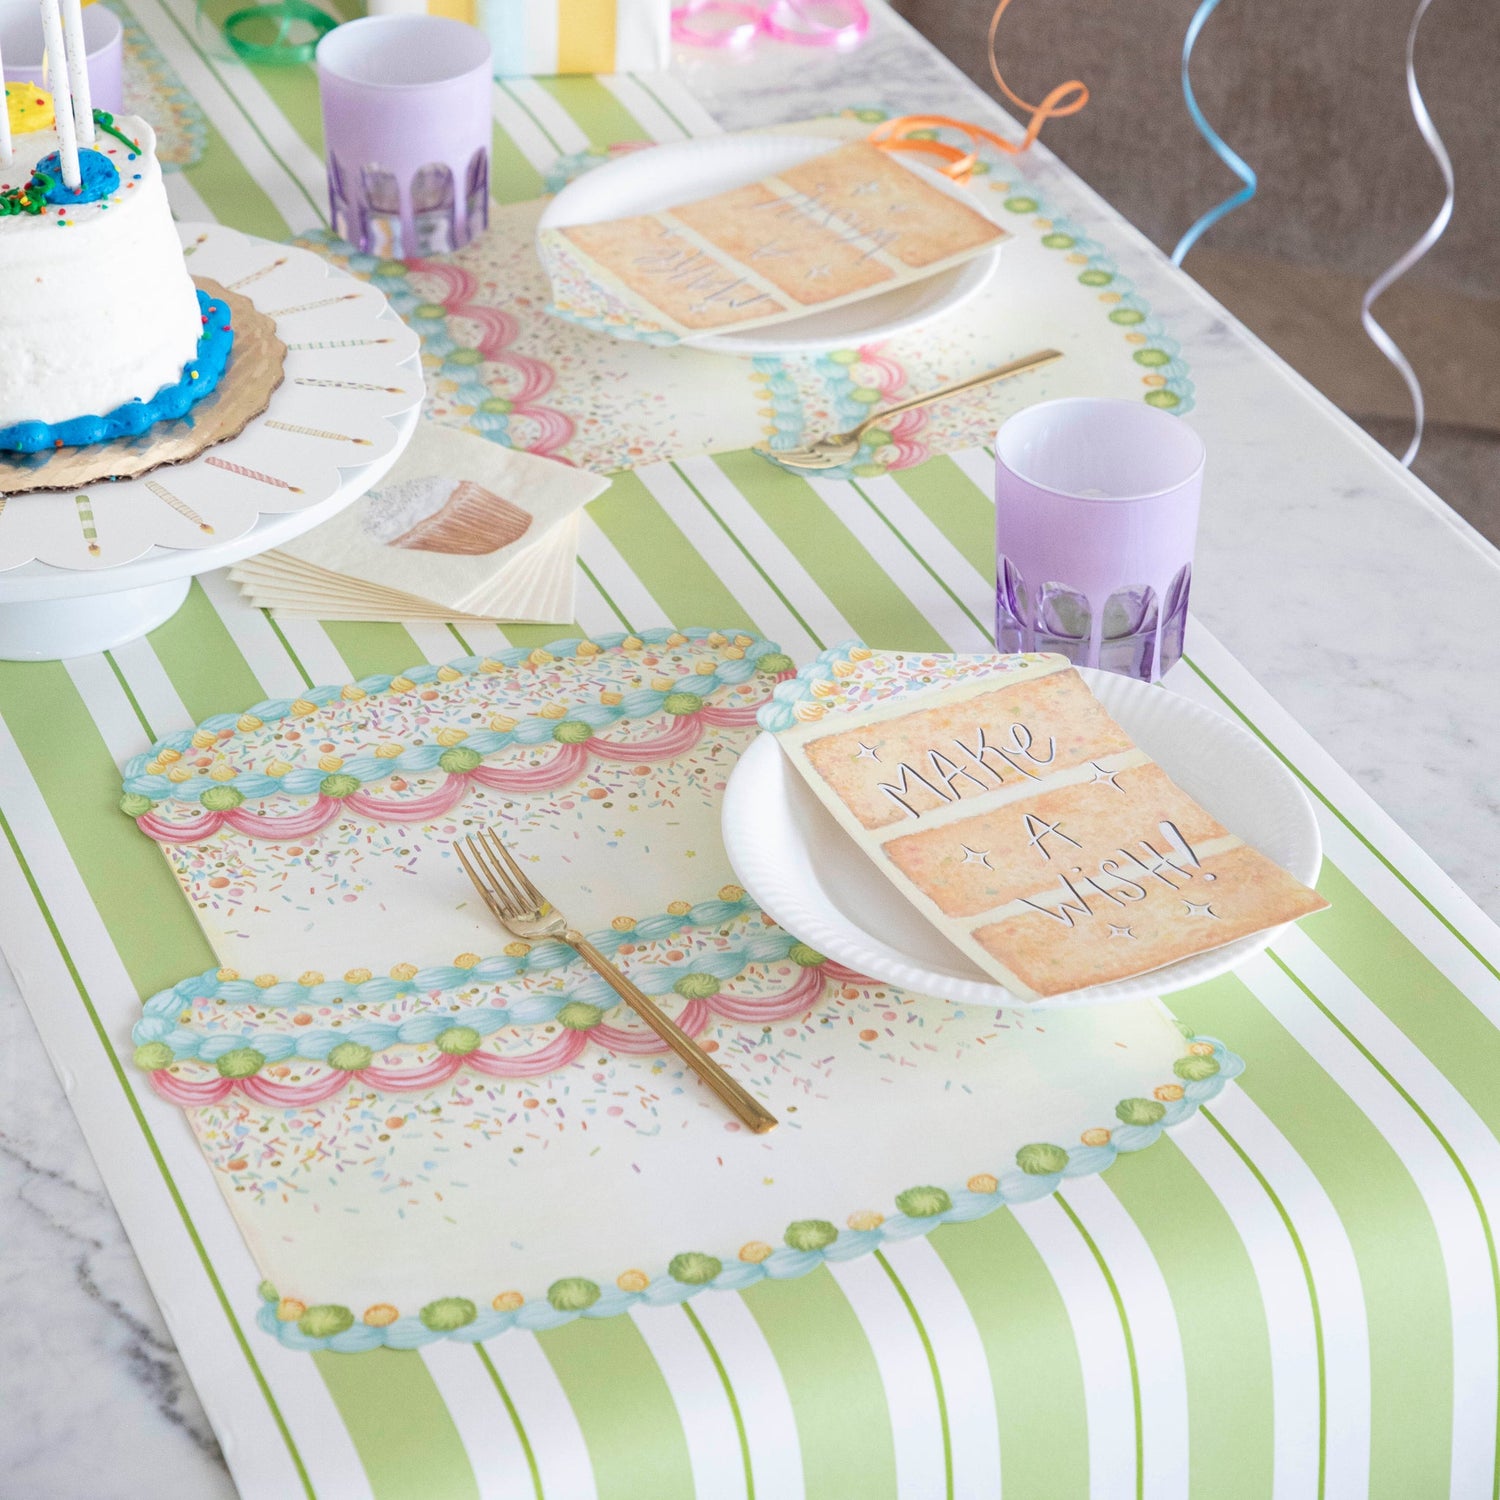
(200, 377)
(96, 171)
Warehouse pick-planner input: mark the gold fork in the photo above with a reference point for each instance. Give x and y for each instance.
(841, 447)
(523, 911)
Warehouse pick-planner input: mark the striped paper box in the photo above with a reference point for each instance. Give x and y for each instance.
(559, 36)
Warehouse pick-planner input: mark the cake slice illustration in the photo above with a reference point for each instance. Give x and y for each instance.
(438, 514)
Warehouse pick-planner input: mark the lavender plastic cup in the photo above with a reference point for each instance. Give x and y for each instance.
(1096, 513)
(21, 46)
(406, 131)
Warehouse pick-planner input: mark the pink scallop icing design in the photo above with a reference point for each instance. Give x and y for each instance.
(694, 1017)
(566, 764)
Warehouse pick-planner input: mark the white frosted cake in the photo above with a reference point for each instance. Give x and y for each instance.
(98, 309)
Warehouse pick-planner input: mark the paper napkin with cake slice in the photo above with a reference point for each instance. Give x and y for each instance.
(461, 528)
(847, 224)
(1021, 820)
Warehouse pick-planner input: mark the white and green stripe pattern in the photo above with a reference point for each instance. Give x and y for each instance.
(1293, 1295)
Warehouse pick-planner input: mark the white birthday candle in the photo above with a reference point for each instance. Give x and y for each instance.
(62, 98)
(7, 154)
(78, 71)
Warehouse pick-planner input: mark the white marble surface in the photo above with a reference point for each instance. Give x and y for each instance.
(1350, 590)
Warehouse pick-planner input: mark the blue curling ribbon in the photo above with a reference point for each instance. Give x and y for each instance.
(1429, 237)
(1231, 159)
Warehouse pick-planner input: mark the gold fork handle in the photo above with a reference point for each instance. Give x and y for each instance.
(740, 1100)
(1031, 361)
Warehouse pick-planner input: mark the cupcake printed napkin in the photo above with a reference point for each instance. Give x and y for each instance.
(461, 528)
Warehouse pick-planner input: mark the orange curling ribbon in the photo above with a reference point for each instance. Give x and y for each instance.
(910, 132)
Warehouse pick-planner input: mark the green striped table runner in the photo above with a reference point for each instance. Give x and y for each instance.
(1294, 1294)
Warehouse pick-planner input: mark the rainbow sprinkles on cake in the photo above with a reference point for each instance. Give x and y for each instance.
(1019, 818)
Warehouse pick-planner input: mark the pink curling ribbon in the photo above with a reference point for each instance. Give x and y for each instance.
(733, 25)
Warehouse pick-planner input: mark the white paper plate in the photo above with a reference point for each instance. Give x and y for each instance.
(683, 171)
(791, 855)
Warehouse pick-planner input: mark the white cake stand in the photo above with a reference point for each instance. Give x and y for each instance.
(353, 384)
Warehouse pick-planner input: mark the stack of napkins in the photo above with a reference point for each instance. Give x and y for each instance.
(460, 529)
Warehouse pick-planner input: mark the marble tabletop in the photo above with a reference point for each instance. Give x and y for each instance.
(1349, 589)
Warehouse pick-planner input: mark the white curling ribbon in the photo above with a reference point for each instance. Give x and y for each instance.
(1433, 233)
(78, 71)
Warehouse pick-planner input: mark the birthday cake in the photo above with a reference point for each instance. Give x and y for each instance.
(102, 332)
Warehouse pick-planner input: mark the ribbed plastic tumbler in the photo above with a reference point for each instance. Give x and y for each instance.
(406, 133)
(1096, 513)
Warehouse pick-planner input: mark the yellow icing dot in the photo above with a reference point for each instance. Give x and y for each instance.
(29, 108)
(289, 1309)
(489, 665)
(451, 736)
(449, 674)
(716, 640)
(331, 763)
(1097, 1136)
(388, 751)
(755, 1252)
(552, 711)
(861, 653)
(404, 971)
(222, 772)
(587, 648)
(824, 689)
(310, 978)
(844, 669)
(465, 960)
(1135, 338)
(203, 738)
(264, 981)
(676, 640)
(623, 924)
(516, 950)
(734, 653)
(180, 773)
(1042, 223)
(611, 698)
(678, 908)
(731, 893)
(807, 711)
(357, 976)
(540, 658)
(507, 1301)
(632, 643)
(1075, 259)
(705, 668)
(983, 1182)
(302, 708)
(502, 723)
(1168, 1092)
(166, 757)
(866, 1218)
(227, 976)
(155, 767)
(352, 694)
(1109, 297)
(402, 684)
(632, 1281)
(1202, 1049)
(744, 641)
(381, 1315)
(662, 684)
(278, 768)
